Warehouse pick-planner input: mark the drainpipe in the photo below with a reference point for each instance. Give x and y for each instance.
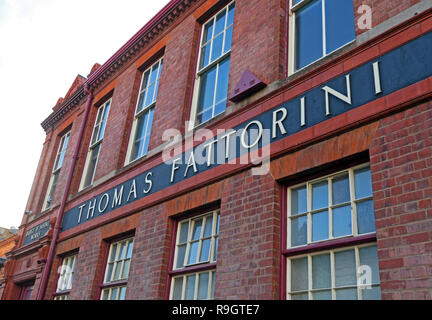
(58, 224)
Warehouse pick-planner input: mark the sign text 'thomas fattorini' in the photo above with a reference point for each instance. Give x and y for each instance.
(393, 71)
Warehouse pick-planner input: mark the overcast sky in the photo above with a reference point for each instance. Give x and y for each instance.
(44, 44)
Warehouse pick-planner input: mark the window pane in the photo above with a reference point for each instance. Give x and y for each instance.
(114, 293)
(105, 295)
(217, 47)
(150, 94)
(109, 272)
(103, 124)
(213, 285)
(208, 227)
(207, 91)
(299, 200)
(178, 287)
(193, 253)
(342, 225)
(218, 224)
(197, 229)
(222, 86)
(320, 226)
(205, 250)
(299, 274)
(298, 231)
(341, 190)
(123, 251)
(220, 22)
(346, 294)
(205, 55)
(126, 269)
(320, 195)
(129, 252)
(230, 19)
(372, 294)
(181, 251)
(363, 183)
(190, 287)
(345, 268)
(215, 252)
(369, 257)
(113, 253)
(228, 39)
(365, 217)
(122, 293)
(321, 272)
(208, 31)
(117, 271)
(339, 23)
(203, 286)
(184, 231)
(309, 35)
(322, 295)
(92, 166)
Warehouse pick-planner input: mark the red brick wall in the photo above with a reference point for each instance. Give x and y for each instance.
(249, 240)
(149, 266)
(382, 10)
(401, 164)
(89, 267)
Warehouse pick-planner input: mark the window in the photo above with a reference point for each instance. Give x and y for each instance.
(117, 270)
(56, 170)
(196, 247)
(95, 144)
(319, 27)
(320, 213)
(333, 275)
(141, 129)
(64, 284)
(211, 86)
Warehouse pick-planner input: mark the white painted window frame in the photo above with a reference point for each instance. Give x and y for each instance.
(214, 214)
(210, 289)
(201, 71)
(332, 252)
(56, 169)
(292, 37)
(139, 113)
(95, 144)
(67, 271)
(353, 202)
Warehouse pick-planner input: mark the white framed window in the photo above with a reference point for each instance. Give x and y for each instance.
(211, 84)
(318, 28)
(196, 247)
(95, 145)
(195, 286)
(64, 283)
(332, 207)
(117, 270)
(58, 163)
(333, 275)
(144, 111)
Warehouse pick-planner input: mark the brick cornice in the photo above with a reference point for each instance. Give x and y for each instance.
(155, 27)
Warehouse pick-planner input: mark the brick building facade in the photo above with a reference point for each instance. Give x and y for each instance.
(342, 106)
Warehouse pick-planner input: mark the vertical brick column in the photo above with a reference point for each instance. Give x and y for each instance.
(249, 239)
(148, 273)
(401, 164)
(89, 267)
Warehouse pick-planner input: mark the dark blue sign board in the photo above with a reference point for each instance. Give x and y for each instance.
(391, 72)
(36, 233)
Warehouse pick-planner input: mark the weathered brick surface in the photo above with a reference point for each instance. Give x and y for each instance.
(249, 239)
(401, 165)
(89, 267)
(382, 10)
(149, 266)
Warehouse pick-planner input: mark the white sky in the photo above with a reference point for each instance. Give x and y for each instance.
(44, 44)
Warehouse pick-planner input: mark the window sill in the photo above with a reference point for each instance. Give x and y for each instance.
(193, 269)
(330, 244)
